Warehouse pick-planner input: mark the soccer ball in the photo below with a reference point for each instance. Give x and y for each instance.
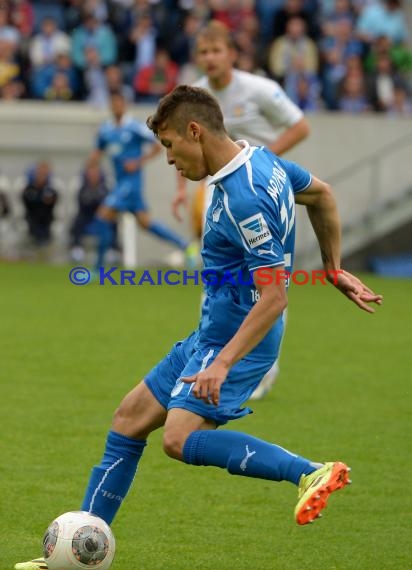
(78, 540)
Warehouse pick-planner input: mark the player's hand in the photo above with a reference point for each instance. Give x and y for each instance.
(132, 165)
(355, 290)
(208, 382)
(178, 201)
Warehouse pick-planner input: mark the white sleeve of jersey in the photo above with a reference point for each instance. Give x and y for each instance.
(275, 104)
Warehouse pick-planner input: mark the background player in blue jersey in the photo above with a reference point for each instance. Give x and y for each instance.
(205, 379)
(124, 139)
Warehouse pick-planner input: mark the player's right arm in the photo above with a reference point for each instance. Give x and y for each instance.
(259, 321)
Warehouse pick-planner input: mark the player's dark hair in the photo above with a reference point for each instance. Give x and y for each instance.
(185, 104)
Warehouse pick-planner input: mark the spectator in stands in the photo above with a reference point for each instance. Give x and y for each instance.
(92, 33)
(60, 89)
(43, 77)
(383, 18)
(341, 10)
(183, 44)
(98, 8)
(48, 43)
(294, 43)
(143, 38)
(402, 103)
(399, 54)
(115, 83)
(4, 205)
(22, 17)
(156, 80)
(9, 68)
(12, 90)
(8, 33)
(39, 199)
(336, 49)
(353, 98)
(294, 9)
(231, 12)
(73, 14)
(266, 11)
(94, 79)
(93, 189)
(303, 87)
(247, 39)
(381, 84)
(50, 8)
(119, 17)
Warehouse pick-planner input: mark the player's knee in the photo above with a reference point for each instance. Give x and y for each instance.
(143, 221)
(122, 415)
(127, 422)
(173, 444)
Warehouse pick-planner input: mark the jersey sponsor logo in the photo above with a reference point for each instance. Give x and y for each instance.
(217, 210)
(255, 230)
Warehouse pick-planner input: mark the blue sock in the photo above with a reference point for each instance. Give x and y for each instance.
(165, 233)
(105, 235)
(110, 481)
(242, 454)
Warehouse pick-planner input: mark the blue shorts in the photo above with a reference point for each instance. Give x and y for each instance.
(127, 196)
(186, 359)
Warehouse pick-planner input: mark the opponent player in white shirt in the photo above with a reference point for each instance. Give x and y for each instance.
(254, 108)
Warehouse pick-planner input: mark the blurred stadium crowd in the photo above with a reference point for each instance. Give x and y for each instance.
(349, 55)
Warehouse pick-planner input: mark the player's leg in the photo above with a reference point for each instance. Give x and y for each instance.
(137, 416)
(241, 453)
(160, 230)
(140, 412)
(106, 216)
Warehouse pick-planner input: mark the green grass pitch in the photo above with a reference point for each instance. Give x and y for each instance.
(68, 354)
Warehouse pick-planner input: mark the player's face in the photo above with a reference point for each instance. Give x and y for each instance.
(184, 152)
(215, 58)
(118, 105)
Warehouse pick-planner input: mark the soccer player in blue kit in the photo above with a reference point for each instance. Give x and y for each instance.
(206, 378)
(124, 139)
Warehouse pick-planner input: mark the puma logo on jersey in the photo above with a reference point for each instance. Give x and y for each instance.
(217, 210)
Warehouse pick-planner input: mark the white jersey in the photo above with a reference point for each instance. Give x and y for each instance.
(254, 108)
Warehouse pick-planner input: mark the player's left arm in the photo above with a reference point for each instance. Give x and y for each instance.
(282, 112)
(323, 214)
(290, 137)
(261, 318)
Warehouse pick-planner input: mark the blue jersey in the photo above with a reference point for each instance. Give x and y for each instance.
(250, 224)
(123, 142)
